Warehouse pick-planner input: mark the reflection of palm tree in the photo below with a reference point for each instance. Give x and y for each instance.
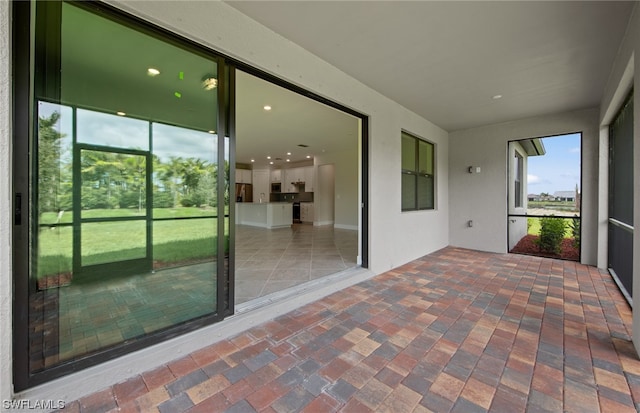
(170, 174)
(49, 167)
(192, 171)
(136, 168)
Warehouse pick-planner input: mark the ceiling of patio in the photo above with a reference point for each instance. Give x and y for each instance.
(448, 60)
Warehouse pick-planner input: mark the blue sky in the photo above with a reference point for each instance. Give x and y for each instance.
(559, 168)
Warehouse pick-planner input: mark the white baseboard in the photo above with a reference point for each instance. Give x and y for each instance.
(341, 226)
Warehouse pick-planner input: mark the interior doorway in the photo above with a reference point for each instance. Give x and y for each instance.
(544, 196)
(299, 158)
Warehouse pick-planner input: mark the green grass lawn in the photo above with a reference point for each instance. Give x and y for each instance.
(534, 227)
(173, 241)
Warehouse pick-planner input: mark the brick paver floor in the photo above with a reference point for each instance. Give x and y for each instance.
(457, 330)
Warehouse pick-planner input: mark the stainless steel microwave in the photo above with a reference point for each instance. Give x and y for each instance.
(276, 187)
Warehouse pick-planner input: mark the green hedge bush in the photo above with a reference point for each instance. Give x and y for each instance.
(551, 234)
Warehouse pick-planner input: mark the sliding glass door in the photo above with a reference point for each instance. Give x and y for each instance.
(621, 191)
(126, 183)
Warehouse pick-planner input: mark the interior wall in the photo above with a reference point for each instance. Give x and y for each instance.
(625, 75)
(487, 147)
(324, 203)
(5, 205)
(345, 195)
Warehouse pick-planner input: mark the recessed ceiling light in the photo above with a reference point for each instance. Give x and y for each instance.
(496, 97)
(308, 156)
(267, 107)
(153, 71)
(289, 153)
(120, 113)
(288, 160)
(253, 160)
(271, 163)
(268, 157)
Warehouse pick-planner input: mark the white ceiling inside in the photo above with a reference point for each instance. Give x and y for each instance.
(446, 60)
(293, 120)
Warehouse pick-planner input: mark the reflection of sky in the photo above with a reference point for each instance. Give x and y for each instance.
(112, 130)
(185, 143)
(558, 169)
(121, 132)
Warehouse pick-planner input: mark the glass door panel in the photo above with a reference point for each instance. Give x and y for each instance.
(126, 220)
(621, 190)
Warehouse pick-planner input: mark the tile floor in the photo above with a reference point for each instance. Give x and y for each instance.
(454, 331)
(268, 261)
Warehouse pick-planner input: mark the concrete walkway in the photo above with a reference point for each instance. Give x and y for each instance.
(457, 330)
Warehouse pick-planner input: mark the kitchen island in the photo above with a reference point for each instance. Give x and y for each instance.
(264, 215)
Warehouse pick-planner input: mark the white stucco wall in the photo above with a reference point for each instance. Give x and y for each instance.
(5, 204)
(625, 74)
(395, 237)
(487, 147)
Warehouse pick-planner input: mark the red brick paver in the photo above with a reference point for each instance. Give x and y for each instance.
(457, 330)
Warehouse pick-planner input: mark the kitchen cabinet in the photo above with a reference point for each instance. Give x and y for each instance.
(288, 177)
(292, 175)
(243, 176)
(281, 215)
(276, 175)
(306, 212)
(309, 175)
(266, 215)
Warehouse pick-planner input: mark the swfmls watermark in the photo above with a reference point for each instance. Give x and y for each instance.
(26, 404)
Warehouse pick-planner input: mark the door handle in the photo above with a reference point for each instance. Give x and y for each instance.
(17, 214)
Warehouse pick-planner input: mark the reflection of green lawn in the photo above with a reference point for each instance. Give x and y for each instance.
(173, 241)
(67, 216)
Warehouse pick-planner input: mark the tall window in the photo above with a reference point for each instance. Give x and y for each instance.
(417, 174)
(518, 175)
